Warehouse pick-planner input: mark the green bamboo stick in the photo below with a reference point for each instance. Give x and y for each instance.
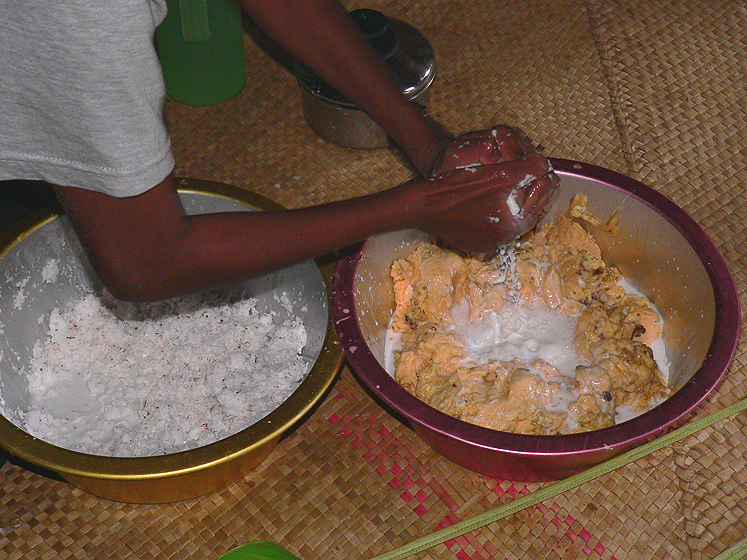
(523, 502)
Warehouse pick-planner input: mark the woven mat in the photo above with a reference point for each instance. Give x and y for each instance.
(654, 89)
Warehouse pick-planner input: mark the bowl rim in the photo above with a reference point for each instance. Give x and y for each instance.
(718, 358)
(318, 380)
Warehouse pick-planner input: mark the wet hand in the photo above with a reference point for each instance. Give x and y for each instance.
(479, 208)
(483, 147)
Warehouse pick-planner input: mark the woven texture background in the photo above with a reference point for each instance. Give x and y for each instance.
(653, 89)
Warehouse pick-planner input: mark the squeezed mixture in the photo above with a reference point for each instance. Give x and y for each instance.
(544, 338)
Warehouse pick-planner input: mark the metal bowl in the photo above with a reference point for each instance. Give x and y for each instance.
(664, 254)
(25, 248)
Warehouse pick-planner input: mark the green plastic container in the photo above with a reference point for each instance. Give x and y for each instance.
(201, 47)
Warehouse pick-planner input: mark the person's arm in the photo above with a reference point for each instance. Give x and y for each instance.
(322, 35)
(146, 248)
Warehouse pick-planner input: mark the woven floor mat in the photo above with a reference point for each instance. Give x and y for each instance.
(654, 89)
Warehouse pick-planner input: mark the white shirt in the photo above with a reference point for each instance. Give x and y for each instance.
(81, 94)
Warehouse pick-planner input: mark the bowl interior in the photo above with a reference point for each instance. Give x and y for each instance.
(660, 250)
(650, 252)
(29, 292)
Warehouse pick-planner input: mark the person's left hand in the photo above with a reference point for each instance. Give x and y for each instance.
(497, 144)
(480, 208)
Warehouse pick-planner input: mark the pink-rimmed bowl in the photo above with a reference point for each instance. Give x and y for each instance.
(661, 251)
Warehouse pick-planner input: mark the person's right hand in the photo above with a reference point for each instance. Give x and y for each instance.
(493, 145)
(480, 208)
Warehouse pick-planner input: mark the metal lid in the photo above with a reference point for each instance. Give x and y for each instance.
(405, 50)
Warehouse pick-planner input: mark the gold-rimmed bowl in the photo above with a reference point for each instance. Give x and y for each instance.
(26, 300)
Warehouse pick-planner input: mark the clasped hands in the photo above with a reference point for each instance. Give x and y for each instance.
(489, 187)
